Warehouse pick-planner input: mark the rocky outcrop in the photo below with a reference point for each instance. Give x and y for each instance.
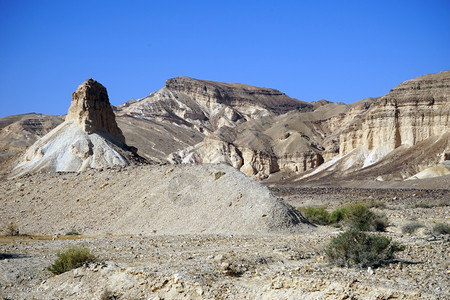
(88, 138)
(91, 111)
(412, 112)
(291, 143)
(396, 136)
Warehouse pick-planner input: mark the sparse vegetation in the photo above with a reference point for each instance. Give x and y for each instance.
(379, 222)
(70, 259)
(12, 229)
(357, 248)
(356, 215)
(316, 215)
(372, 203)
(441, 228)
(73, 231)
(411, 227)
(422, 205)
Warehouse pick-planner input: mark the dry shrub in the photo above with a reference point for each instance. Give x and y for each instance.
(316, 215)
(357, 248)
(441, 228)
(411, 227)
(12, 229)
(70, 259)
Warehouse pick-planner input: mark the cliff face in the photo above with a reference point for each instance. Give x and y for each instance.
(396, 136)
(412, 112)
(291, 143)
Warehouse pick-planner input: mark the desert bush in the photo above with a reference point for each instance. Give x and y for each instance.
(359, 216)
(372, 203)
(422, 205)
(357, 248)
(12, 229)
(70, 259)
(337, 215)
(441, 228)
(379, 222)
(316, 215)
(411, 227)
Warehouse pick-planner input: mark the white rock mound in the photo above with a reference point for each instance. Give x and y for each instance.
(88, 138)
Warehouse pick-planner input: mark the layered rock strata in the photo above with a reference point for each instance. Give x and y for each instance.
(412, 112)
(208, 105)
(88, 138)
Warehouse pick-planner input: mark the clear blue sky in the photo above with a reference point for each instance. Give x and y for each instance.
(310, 50)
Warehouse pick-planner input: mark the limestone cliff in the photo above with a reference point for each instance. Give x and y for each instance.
(397, 136)
(291, 143)
(91, 111)
(412, 112)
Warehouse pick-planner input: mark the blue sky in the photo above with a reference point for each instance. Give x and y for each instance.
(311, 50)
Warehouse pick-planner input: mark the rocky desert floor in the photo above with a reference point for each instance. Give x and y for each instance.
(252, 266)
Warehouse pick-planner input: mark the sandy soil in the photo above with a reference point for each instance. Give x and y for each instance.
(236, 266)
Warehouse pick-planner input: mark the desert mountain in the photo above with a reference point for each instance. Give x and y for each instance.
(268, 135)
(88, 138)
(208, 105)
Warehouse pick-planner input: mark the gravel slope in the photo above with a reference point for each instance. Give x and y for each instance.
(183, 199)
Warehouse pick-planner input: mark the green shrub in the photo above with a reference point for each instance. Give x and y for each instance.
(411, 227)
(441, 228)
(70, 259)
(316, 215)
(359, 216)
(337, 215)
(356, 248)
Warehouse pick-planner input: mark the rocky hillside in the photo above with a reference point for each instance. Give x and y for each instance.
(401, 134)
(208, 105)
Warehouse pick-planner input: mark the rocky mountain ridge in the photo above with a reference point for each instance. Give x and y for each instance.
(268, 135)
(208, 105)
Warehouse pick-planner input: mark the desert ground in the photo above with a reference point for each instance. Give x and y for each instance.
(160, 264)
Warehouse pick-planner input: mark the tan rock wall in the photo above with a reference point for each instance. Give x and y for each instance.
(412, 112)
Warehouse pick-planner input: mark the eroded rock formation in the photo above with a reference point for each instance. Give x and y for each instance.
(88, 138)
(91, 111)
(412, 112)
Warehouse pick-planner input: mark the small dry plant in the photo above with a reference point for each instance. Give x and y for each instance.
(12, 229)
